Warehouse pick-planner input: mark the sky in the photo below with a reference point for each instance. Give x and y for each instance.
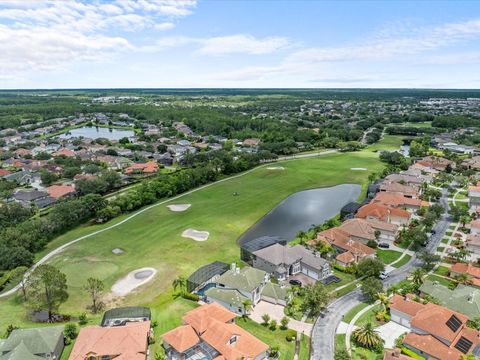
(239, 44)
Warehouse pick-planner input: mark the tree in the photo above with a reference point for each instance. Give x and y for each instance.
(247, 306)
(94, 287)
(19, 273)
(181, 284)
(428, 259)
(384, 300)
(417, 276)
(284, 323)
(461, 255)
(464, 219)
(464, 279)
(370, 267)
(47, 177)
(71, 331)
(48, 289)
(315, 298)
(371, 287)
(265, 319)
(274, 350)
(273, 325)
(366, 336)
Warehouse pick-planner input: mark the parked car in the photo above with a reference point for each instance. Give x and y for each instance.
(295, 282)
(383, 275)
(383, 245)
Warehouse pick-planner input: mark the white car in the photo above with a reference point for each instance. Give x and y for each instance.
(383, 275)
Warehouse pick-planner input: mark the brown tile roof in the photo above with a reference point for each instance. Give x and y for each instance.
(431, 346)
(4, 172)
(398, 188)
(358, 228)
(64, 152)
(58, 191)
(147, 168)
(181, 338)
(127, 342)
(461, 268)
(405, 305)
(345, 257)
(395, 199)
(381, 212)
(395, 354)
(199, 318)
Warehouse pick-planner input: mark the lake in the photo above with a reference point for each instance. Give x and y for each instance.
(93, 132)
(300, 210)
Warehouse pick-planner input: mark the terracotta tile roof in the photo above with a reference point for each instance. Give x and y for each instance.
(474, 188)
(461, 268)
(4, 172)
(431, 346)
(398, 188)
(64, 152)
(246, 346)
(381, 212)
(147, 168)
(405, 305)
(200, 318)
(395, 354)
(475, 224)
(181, 338)
(345, 257)
(358, 228)
(127, 342)
(395, 199)
(58, 191)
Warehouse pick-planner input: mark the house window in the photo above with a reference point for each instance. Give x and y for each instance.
(233, 340)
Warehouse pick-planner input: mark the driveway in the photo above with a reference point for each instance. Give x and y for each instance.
(390, 331)
(276, 313)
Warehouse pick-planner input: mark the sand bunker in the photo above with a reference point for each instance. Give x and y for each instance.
(178, 207)
(196, 235)
(275, 168)
(133, 280)
(358, 169)
(117, 251)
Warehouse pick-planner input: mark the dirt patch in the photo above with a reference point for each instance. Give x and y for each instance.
(178, 207)
(359, 169)
(196, 234)
(133, 280)
(275, 168)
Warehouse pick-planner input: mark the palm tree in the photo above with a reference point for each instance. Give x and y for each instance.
(181, 284)
(247, 306)
(461, 254)
(417, 276)
(464, 279)
(366, 336)
(384, 300)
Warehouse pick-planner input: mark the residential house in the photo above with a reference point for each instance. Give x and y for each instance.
(472, 243)
(397, 188)
(28, 198)
(60, 191)
(284, 261)
(471, 163)
(463, 299)
(349, 251)
(436, 162)
(252, 142)
(64, 152)
(4, 172)
(150, 167)
(236, 285)
(366, 230)
(436, 332)
(397, 200)
(407, 179)
(129, 341)
(474, 226)
(210, 332)
(380, 212)
(474, 196)
(463, 268)
(34, 343)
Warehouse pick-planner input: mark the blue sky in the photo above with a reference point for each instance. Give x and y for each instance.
(226, 43)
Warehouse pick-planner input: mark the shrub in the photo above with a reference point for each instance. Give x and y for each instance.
(190, 296)
(284, 323)
(273, 325)
(82, 319)
(71, 331)
(372, 243)
(266, 319)
(291, 335)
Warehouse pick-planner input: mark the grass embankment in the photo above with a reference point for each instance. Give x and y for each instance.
(388, 256)
(153, 238)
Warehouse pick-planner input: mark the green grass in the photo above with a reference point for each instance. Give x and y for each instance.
(445, 240)
(153, 238)
(449, 233)
(440, 248)
(388, 256)
(66, 351)
(269, 337)
(442, 270)
(440, 280)
(345, 290)
(340, 341)
(346, 278)
(402, 262)
(389, 142)
(351, 314)
(304, 347)
(369, 317)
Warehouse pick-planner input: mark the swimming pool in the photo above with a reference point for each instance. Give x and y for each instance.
(201, 292)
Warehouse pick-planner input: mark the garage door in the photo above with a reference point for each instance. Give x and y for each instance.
(311, 273)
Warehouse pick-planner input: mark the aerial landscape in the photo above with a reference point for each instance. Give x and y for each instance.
(225, 180)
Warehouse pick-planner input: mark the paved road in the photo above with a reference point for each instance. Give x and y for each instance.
(64, 246)
(324, 329)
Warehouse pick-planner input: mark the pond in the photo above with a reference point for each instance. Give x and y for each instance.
(301, 210)
(93, 132)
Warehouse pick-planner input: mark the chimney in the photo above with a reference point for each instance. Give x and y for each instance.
(234, 267)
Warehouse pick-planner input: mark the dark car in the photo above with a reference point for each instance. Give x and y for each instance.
(433, 232)
(295, 282)
(383, 245)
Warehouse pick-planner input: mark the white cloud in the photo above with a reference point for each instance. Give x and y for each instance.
(164, 26)
(241, 43)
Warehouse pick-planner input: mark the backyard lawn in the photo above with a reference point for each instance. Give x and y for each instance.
(153, 239)
(402, 261)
